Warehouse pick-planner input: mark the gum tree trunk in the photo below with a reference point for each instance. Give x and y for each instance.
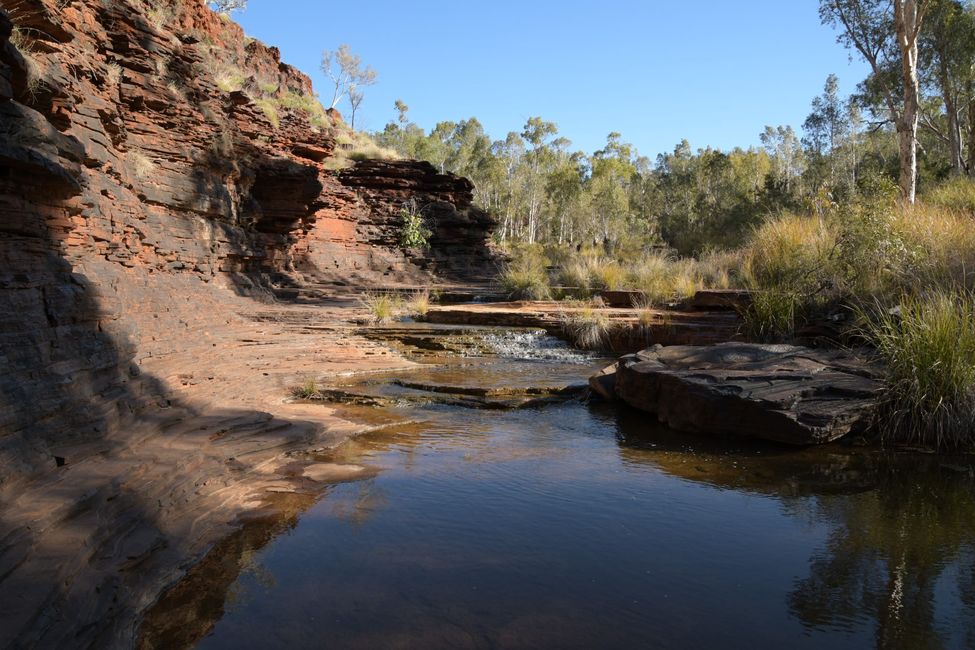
(907, 21)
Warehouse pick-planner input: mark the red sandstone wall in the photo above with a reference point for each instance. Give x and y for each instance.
(137, 198)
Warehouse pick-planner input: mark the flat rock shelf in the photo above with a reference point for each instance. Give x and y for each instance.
(781, 393)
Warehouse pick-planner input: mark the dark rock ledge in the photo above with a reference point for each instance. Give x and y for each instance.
(782, 393)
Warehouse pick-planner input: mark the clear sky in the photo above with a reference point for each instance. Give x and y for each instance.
(712, 71)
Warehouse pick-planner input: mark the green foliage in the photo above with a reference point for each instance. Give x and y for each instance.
(414, 232)
(771, 315)
(928, 347)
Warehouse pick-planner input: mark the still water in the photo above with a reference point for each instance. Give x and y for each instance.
(585, 526)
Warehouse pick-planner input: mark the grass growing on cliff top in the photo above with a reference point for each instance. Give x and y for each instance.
(928, 347)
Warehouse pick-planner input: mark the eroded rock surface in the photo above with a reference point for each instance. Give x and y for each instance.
(782, 393)
(160, 179)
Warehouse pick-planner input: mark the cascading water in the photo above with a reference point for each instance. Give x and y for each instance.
(534, 345)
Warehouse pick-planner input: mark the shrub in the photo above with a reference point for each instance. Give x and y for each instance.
(414, 232)
(229, 80)
(308, 390)
(646, 315)
(608, 275)
(771, 315)
(790, 253)
(939, 247)
(662, 280)
(720, 269)
(113, 74)
(160, 15)
(576, 276)
(381, 306)
(928, 347)
(586, 327)
(35, 70)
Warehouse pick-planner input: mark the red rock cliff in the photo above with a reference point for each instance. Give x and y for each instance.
(153, 162)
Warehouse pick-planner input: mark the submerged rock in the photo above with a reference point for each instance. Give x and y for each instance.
(782, 393)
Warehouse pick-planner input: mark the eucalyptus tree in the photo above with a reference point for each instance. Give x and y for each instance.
(947, 51)
(346, 72)
(785, 149)
(228, 6)
(538, 157)
(886, 34)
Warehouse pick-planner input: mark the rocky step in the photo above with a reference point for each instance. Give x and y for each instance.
(626, 333)
(782, 393)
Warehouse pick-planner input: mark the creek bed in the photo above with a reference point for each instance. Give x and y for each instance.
(582, 525)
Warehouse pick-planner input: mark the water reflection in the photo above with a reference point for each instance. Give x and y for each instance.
(901, 553)
(893, 556)
(581, 526)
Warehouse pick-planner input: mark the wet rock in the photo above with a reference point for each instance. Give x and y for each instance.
(781, 393)
(717, 299)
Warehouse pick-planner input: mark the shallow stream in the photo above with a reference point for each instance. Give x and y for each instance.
(575, 525)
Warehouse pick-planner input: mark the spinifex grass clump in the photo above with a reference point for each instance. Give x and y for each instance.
(586, 327)
(526, 277)
(928, 346)
(418, 304)
(381, 306)
(788, 262)
(308, 390)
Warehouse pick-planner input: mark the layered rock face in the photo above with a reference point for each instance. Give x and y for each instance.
(155, 166)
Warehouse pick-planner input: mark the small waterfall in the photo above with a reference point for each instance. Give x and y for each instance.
(535, 345)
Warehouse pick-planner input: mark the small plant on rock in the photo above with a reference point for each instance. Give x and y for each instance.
(308, 390)
(414, 232)
(142, 165)
(382, 306)
(419, 304)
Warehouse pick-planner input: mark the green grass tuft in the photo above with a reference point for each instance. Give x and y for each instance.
(928, 347)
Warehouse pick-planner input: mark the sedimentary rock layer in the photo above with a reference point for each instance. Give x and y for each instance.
(161, 175)
(782, 393)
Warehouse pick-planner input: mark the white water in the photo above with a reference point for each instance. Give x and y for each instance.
(535, 345)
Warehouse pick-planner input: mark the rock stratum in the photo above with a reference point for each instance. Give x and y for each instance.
(164, 181)
(782, 393)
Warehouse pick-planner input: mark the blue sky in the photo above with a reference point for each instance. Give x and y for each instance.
(712, 71)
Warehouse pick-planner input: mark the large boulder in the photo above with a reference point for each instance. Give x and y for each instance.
(782, 393)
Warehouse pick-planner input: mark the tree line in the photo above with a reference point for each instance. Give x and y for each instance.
(543, 190)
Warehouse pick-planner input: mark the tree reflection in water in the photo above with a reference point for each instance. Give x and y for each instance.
(891, 554)
(901, 555)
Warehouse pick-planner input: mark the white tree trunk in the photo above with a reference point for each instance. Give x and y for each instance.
(907, 21)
